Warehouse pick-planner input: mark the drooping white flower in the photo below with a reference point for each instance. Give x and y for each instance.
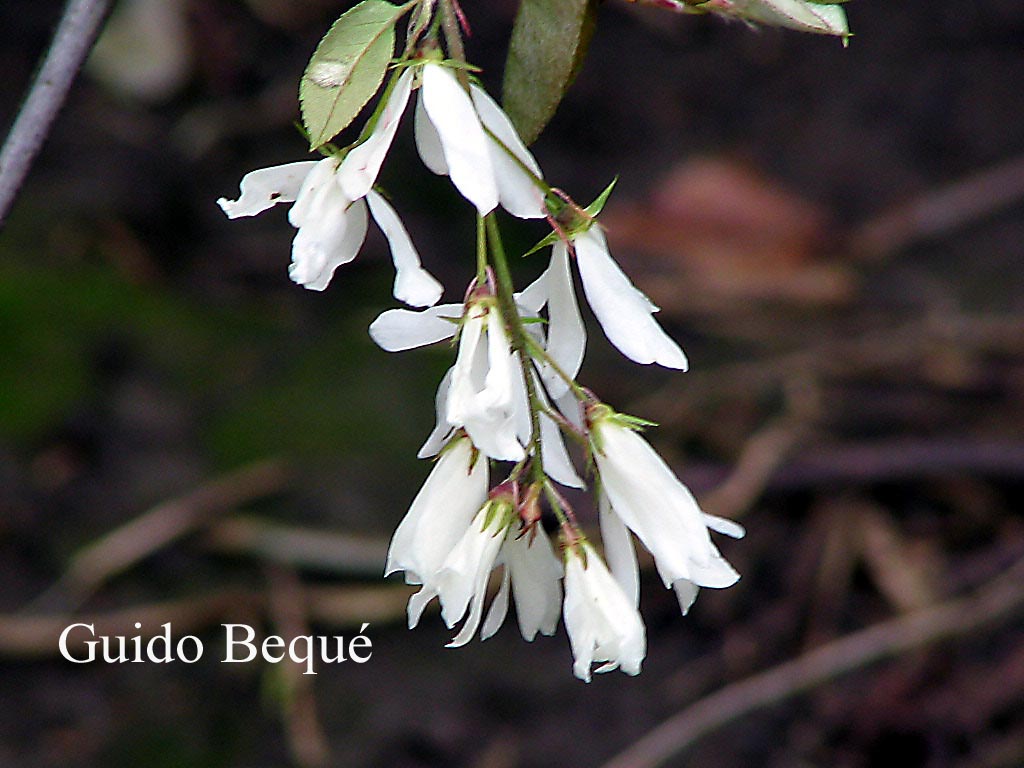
(330, 209)
(464, 574)
(651, 501)
(452, 138)
(531, 572)
(438, 517)
(625, 314)
(603, 625)
(534, 574)
(484, 392)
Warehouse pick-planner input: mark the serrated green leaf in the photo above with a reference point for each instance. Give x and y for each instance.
(347, 68)
(549, 41)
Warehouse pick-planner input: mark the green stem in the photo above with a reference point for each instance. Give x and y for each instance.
(537, 350)
(481, 252)
(453, 40)
(520, 343)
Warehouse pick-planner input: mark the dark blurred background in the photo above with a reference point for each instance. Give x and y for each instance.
(834, 237)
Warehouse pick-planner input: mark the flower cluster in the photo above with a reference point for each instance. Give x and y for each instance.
(510, 399)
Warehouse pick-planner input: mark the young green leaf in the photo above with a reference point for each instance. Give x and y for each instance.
(549, 41)
(347, 68)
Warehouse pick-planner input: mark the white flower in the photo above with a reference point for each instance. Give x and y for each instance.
(331, 199)
(651, 501)
(486, 395)
(530, 567)
(603, 625)
(625, 314)
(452, 138)
(484, 392)
(441, 512)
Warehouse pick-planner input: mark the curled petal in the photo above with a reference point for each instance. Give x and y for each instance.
(323, 244)
(413, 284)
(266, 188)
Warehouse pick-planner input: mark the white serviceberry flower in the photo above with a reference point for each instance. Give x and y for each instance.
(441, 512)
(486, 395)
(651, 501)
(626, 315)
(602, 623)
(484, 392)
(530, 567)
(330, 210)
(452, 138)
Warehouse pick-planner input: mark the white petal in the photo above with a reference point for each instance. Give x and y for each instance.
(442, 428)
(623, 311)
(534, 296)
(325, 243)
(557, 463)
(686, 594)
(619, 551)
(320, 184)
(481, 397)
(462, 582)
(499, 609)
(536, 573)
(397, 330)
(567, 336)
(520, 402)
(359, 170)
(413, 284)
(428, 143)
(439, 515)
(266, 188)
(462, 138)
(723, 526)
(518, 192)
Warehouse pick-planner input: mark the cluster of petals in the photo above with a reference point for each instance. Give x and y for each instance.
(484, 393)
(457, 134)
(453, 537)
